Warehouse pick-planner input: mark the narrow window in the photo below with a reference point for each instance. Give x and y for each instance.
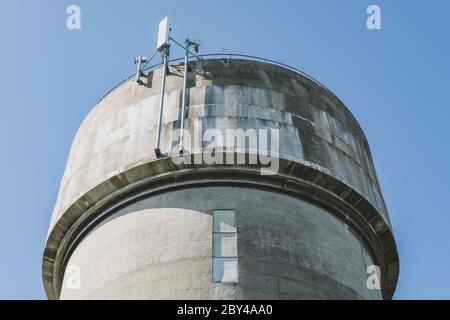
(224, 255)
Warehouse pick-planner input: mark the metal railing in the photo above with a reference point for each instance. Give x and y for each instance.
(226, 56)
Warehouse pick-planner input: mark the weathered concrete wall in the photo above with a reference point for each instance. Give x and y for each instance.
(315, 127)
(325, 156)
(287, 248)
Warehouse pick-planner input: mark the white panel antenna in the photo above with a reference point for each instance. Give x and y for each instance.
(163, 34)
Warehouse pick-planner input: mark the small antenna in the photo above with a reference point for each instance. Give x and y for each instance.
(139, 61)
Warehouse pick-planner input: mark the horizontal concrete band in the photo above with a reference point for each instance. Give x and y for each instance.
(296, 179)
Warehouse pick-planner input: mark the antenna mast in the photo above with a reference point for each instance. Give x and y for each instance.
(162, 46)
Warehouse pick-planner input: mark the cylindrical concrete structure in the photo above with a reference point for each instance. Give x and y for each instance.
(137, 227)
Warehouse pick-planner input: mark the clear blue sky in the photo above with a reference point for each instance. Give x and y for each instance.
(395, 81)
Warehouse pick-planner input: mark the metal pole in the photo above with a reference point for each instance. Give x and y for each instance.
(158, 151)
(183, 103)
(138, 72)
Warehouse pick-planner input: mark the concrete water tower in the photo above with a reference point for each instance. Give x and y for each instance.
(137, 226)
